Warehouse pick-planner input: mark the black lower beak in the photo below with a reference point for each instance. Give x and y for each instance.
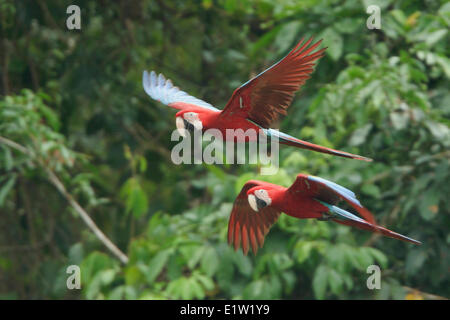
(189, 126)
(260, 203)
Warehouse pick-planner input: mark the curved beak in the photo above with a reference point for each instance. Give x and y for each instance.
(180, 126)
(252, 201)
(255, 203)
(198, 125)
(260, 203)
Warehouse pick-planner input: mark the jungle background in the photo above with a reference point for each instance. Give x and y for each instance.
(76, 127)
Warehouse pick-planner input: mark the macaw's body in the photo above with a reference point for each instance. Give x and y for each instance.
(259, 204)
(254, 105)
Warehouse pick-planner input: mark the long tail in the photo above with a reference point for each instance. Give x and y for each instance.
(346, 218)
(291, 141)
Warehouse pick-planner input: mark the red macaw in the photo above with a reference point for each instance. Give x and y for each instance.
(259, 204)
(254, 105)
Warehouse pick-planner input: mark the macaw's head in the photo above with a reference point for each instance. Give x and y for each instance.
(188, 120)
(259, 198)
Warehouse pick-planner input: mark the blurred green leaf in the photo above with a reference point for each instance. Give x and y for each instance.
(156, 265)
(335, 43)
(319, 282)
(6, 188)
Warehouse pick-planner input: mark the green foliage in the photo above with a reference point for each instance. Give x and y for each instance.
(379, 93)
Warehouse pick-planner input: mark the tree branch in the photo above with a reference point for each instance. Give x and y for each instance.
(83, 214)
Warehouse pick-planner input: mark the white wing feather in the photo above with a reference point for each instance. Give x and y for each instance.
(160, 89)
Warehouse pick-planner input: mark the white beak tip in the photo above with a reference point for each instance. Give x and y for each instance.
(180, 126)
(252, 202)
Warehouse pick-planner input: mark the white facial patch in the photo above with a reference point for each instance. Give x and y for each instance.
(180, 126)
(260, 194)
(193, 119)
(263, 195)
(252, 202)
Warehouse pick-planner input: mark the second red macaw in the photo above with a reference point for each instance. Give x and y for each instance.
(259, 204)
(254, 105)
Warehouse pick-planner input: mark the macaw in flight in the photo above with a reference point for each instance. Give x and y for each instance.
(259, 204)
(254, 105)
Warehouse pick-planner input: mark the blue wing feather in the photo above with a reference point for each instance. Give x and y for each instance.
(337, 188)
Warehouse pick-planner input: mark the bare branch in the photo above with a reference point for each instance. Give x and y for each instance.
(83, 214)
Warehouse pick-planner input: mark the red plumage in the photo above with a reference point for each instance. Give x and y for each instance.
(308, 197)
(254, 105)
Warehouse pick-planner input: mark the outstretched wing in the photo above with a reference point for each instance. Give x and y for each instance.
(270, 93)
(160, 89)
(247, 226)
(329, 192)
